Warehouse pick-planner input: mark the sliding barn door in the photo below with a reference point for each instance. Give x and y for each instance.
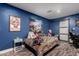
(64, 30)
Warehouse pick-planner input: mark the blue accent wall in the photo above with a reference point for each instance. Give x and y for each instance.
(7, 37)
(73, 23)
(54, 24)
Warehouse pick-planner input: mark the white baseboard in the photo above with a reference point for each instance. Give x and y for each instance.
(8, 50)
(5, 51)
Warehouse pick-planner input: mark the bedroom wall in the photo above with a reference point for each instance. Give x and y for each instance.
(7, 37)
(54, 23)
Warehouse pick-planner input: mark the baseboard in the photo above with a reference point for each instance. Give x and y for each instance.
(6, 50)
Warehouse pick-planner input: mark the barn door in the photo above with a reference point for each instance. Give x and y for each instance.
(64, 25)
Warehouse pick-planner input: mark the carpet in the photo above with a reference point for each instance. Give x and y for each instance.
(64, 49)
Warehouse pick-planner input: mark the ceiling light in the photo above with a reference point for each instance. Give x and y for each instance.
(58, 11)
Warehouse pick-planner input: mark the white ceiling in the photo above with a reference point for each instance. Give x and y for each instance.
(49, 10)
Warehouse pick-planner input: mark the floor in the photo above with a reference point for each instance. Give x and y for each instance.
(64, 49)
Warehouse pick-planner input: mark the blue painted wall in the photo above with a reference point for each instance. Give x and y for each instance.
(54, 24)
(6, 37)
(73, 24)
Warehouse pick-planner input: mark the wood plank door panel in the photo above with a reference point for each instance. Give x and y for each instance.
(64, 30)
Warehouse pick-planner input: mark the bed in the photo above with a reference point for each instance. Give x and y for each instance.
(48, 44)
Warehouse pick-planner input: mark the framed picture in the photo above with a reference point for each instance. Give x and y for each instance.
(77, 23)
(35, 25)
(15, 23)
